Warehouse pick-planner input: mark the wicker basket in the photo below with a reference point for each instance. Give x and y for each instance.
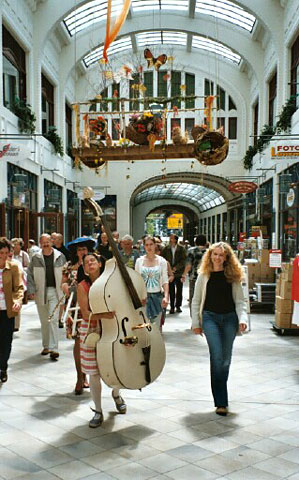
(211, 148)
(197, 130)
(137, 137)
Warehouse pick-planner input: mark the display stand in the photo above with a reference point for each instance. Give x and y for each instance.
(245, 286)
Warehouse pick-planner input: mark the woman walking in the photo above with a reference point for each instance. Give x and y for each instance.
(93, 267)
(153, 270)
(219, 311)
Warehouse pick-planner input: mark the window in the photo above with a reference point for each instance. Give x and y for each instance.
(175, 122)
(14, 69)
(162, 83)
(47, 104)
(115, 128)
(255, 122)
(148, 83)
(272, 98)
(134, 92)
(295, 70)
(68, 126)
(232, 128)
(231, 104)
(175, 88)
(190, 89)
(220, 98)
(209, 87)
(103, 106)
(189, 124)
(221, 123)
(115, 94)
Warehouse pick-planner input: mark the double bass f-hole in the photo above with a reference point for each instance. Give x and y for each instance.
(127, 340)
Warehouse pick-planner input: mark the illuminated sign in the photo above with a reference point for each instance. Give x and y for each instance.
(242, 187)
(175, 221)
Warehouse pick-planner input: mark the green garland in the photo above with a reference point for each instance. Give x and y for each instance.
(55, 139)
(283, 124)
(27, 118)
(163, 100)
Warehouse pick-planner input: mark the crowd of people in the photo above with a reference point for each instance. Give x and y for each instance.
(58, 279)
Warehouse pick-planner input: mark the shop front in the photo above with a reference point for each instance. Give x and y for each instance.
(289, 212)
(51, 219)
(18, 211)
(72, 216)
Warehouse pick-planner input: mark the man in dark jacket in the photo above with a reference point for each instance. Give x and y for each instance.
(194, 257)
(176, 255)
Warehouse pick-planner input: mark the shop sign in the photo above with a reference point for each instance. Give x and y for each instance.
(285, 151)
(291, 197)
(242, 187)
(175, 221)
(10, 150)
(275, 258)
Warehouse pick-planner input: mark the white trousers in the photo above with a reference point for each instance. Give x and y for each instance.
(49, 328)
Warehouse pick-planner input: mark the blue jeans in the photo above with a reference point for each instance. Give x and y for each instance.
(220, 331)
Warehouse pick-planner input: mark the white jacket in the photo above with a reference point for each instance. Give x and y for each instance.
(199, 297)
(36, 276)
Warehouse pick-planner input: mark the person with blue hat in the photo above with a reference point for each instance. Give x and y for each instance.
(73, 274)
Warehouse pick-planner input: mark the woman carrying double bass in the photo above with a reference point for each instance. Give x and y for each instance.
(93, 266)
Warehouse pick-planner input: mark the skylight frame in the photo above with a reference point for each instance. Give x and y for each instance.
(204, 43)
(227, 11)
(161, 37)
(203, 197)
(142, 5)
(120, 45)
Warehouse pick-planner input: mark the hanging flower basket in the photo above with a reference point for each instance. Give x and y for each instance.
(210, 148)
(98, 125)
(197, 130)
(141, 126)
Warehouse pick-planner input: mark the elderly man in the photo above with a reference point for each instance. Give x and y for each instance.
(44, 280)
(104, 248)
(128, 254)
(57, 240)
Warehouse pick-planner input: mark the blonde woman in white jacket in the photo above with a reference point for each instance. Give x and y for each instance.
(219, 312)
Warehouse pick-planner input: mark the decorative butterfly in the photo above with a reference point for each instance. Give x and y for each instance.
(152, 61)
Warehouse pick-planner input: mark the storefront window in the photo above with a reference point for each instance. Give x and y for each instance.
(289, 215)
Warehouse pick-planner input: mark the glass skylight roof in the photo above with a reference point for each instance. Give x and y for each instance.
(140, 5)
(215, 47)
(95, 11)
(92, 12)
(202, 197)
(116, 47)
(161, 37)
(226, 10)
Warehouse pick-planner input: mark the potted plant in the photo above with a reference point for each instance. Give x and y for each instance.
(27, 118)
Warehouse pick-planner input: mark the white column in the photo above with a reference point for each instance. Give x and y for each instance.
(275, 204)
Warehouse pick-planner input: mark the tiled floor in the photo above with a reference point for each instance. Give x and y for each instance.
(170, 430)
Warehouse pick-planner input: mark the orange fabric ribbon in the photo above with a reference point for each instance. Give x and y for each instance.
(111, 35)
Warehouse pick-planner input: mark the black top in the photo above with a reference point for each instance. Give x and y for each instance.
(50, 276)
(65, 251)
(80, 274)
(219, 296)
(105, 251)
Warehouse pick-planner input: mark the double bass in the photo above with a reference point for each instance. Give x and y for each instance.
(131, 351)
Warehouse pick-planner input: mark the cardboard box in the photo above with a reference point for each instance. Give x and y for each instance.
(254, 273)
(287, 276)
(278, 285)
(283, 305)
(283, 320)
(264, 256)
(285, 289)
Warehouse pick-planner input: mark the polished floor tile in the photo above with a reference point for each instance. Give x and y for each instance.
(171, 430)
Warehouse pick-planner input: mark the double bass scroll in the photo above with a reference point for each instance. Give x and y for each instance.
(131, 350)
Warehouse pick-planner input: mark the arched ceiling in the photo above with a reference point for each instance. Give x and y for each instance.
(204, 191)
(202, 197)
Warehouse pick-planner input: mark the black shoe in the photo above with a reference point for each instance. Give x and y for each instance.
(171, 310)
(54, 356)
(179, 310)
(3, 376)
(60, 324)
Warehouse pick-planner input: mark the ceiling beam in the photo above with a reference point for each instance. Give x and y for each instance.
(189, 42)
(192, 4)
(134, 42)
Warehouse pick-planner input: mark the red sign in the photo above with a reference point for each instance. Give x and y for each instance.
(242, 187)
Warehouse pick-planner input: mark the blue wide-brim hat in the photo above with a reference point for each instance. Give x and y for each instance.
(88, 242)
